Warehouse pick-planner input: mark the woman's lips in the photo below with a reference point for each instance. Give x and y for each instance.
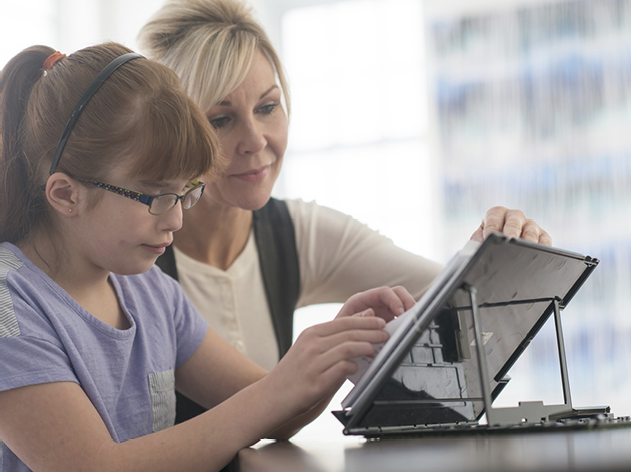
(253, 176)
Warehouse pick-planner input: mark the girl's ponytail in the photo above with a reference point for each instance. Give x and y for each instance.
(19, 203)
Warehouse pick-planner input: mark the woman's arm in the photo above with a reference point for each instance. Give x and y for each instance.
(340, 256)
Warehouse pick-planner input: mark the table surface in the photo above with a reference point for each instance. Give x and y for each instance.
(326, 449)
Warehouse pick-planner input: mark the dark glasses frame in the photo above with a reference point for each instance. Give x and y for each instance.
(148, 199)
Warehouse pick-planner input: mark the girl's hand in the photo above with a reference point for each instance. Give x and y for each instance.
(386, 303)
(320, 360)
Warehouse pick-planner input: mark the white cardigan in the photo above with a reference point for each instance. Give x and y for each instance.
(338, 257)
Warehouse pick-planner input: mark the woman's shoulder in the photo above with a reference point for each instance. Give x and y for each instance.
(314, 220)
(301, 209)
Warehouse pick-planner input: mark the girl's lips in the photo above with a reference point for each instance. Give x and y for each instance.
(254, 175)
(154, 249)
(159, 250)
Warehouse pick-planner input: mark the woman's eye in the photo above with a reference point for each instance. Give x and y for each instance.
(268, 109)
(219, 122)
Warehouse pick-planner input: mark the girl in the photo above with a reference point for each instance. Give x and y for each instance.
(100, 153)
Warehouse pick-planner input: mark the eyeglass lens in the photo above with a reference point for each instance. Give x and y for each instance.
(163, 203)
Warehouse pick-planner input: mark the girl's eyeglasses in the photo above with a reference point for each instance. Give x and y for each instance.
(158, 204)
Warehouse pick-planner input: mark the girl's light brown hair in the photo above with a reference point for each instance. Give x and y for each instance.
(211, 45)
(139, 113)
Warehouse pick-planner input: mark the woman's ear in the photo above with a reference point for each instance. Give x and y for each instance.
(64, 193)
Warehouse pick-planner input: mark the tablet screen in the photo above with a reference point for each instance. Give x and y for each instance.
(432, 375)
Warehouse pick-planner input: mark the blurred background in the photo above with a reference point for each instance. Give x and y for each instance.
(417, 116)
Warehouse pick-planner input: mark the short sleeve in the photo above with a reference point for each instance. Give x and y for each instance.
(31, 353)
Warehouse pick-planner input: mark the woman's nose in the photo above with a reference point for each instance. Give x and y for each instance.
(252, 138)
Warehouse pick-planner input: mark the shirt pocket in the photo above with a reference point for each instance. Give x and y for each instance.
(162, 389)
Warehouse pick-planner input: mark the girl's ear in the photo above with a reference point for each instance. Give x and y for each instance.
(64, 193)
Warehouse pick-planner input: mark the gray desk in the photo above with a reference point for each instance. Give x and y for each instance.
(595, 450)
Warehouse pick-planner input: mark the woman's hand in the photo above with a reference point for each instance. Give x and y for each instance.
(512, 223)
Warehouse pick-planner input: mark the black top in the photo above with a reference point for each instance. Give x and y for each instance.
(276, 243)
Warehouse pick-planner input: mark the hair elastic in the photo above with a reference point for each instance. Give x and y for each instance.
(85, 98)
(52, 60)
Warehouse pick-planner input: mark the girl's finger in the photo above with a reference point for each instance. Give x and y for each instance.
(368, 312)
(405, 297)
(347, 323)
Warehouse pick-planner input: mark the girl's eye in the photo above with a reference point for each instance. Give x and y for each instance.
(219, 122)
(268, 109)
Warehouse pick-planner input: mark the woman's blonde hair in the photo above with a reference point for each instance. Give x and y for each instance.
(210, 44)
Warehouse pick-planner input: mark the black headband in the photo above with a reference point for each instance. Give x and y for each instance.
(85, 98)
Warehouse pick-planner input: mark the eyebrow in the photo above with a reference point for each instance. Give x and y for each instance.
(225, 103)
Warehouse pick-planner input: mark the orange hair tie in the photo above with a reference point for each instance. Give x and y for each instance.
(52, 59)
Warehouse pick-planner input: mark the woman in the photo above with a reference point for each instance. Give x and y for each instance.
(223, 254)
(93, 337)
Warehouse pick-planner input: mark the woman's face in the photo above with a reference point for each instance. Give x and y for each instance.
(252, 128)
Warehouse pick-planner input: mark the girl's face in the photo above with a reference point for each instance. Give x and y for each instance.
(121, 236)
(252, 128)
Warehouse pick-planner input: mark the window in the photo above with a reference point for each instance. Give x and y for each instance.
(358, 134)
(416, 117)
(71, 24)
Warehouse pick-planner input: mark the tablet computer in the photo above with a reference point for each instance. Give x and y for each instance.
(427, 373)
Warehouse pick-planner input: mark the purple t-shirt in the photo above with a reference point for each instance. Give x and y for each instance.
(46, 336)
